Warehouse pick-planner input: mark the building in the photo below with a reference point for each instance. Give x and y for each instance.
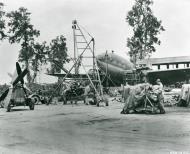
(170, 70)
(167, 62)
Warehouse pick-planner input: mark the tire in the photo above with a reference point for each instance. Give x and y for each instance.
(107, 104)
(44, 101)
(31, 107)
(9, 108)
(2, 104)
(31, 104)
(36, 99)
(64, 101)
(95, 101)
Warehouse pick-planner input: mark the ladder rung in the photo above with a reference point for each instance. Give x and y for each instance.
(87, 57)
(95, 80)
(83, 48)
(80, 42)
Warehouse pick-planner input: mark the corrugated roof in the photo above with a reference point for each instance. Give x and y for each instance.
(166, 60)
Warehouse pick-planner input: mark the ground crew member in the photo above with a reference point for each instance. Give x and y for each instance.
(158, 90)
(86, 93)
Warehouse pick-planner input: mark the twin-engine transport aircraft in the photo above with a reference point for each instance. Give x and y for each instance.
(116, 67)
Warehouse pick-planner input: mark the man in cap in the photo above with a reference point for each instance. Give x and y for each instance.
(158, 88)
(159, 83)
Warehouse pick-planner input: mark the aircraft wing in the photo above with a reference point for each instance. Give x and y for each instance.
(170, 76)
(70, 76)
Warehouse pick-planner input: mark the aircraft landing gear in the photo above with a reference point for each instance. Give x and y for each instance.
(31, 104)
(9, 108)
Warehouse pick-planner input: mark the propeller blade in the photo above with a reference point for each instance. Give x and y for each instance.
(4, 94)
(20, 77)
(19, 71)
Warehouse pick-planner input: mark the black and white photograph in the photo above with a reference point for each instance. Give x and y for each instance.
(94, 77)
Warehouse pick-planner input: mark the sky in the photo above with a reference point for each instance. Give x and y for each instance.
(104, 20)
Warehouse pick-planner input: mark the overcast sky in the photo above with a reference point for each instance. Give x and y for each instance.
(103, 19)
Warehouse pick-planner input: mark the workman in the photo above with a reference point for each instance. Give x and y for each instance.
(87, 91)
(158, 89)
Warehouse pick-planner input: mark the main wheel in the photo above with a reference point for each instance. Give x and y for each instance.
(107, 104)
(31, 104)
(1, 104)
(9, 108)
(9, 105)
(64, 100)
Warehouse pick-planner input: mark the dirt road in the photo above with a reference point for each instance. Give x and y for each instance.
(58, 129)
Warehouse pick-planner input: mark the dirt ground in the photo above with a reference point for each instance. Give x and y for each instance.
(82, 129)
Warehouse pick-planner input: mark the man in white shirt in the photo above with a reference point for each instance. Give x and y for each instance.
(158, 88)
(87, 91)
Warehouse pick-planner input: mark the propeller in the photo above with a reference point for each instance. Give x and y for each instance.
(4, 94)
(19, 71)
(21, 75)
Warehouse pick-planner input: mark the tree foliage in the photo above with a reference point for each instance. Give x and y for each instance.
(39, 57)
(58, 53)
(32, 53)
(2, 22)
(146, 28)
(22, 31)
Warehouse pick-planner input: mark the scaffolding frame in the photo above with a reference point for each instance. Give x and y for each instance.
(88, 47)
(83, 46)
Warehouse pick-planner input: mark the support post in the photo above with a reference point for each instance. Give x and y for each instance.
(168, 66)
(158, 67)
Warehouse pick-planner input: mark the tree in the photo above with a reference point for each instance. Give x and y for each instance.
(22, 31)
(58, 53)
(39, 57)
(2, 22)
(146, 28)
